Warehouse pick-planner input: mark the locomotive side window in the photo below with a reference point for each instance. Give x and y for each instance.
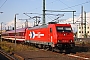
(50, 30)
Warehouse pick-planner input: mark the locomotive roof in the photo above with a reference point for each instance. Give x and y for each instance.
(45, 26)
(63, 24)
(41, 26)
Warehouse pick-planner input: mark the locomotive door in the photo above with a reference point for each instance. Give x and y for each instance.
(51, 35)
(51, 38)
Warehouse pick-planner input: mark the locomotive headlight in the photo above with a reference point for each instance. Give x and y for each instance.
(59, 41)
(71, 40)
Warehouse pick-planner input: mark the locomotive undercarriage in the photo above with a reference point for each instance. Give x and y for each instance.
(60, 46)
(65, 45)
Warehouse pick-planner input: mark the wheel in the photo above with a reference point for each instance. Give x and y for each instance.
(67, 51)
(53, 49)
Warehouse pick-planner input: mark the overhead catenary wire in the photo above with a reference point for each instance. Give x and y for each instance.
(49, 18)
(76, 5)
(46, 3)
(64, 3)
(69, 6)
(3, 4)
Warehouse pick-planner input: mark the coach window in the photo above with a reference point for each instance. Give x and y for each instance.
(18, 34)
(50, 30)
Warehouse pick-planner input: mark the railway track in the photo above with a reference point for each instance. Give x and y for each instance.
(83, 57)
(77, 55)
(7, 55)
(80, 55)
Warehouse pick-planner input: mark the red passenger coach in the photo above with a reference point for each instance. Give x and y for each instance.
(10, 35)
(52, 35)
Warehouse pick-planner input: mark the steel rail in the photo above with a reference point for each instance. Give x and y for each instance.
(7, 55)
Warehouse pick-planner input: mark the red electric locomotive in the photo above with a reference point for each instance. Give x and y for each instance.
(52, 35)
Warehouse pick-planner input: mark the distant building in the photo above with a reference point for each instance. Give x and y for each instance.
(81, 31)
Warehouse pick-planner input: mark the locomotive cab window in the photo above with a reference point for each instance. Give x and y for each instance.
(63, 29)
(59, 29)
(68, 29)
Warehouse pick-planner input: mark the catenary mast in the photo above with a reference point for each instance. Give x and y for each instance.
(43, 12)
